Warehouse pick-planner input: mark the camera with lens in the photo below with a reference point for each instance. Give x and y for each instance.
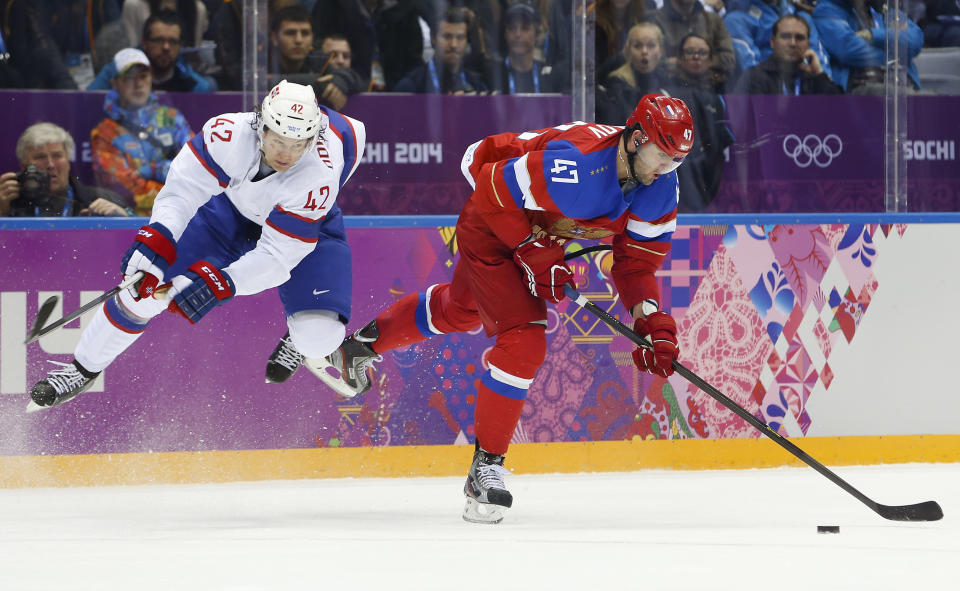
(34, 188)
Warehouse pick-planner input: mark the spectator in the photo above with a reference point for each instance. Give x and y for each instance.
(44, 187)
(854, 33)
(520, 71)
(614, 20)
(693, 65)
(702, 171)
(445, 72)
(293, 59)
(642, 74)
(792, 68)
(34, 56)
(387, 37)
(161, 44)
(291, 40)
(134, 145)
(193, 18)
(74, 24)
(943, 23)
(678, 18)
(750, 23)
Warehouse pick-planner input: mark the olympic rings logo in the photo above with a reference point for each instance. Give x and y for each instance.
(812, 150)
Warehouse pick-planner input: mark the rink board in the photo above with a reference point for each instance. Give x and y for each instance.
(453, 460)
(823, 327)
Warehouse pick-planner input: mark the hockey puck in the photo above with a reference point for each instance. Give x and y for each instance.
(828, 529)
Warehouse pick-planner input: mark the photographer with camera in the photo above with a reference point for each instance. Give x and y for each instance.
(44, 187)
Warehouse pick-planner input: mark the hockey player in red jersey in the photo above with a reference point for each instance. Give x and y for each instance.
(531, 190)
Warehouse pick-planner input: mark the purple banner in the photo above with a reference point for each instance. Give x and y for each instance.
(826, 153)
(792, 154)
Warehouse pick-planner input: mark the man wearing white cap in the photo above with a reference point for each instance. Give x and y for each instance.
(249, 205)
(136, 142)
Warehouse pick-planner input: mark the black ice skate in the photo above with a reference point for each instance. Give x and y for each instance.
(487, 497)
(60, 385)
(345, 370)
(284, 361)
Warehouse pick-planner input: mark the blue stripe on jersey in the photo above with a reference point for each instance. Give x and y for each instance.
(347, 135)
(200, 149)
(510, 178)
(653, 202)
(502, 389)
(665, 237)
(293, 225)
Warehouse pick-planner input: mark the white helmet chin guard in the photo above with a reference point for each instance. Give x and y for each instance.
(290, 110)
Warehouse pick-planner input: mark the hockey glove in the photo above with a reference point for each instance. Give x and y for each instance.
(201, 289)
(541, 260)
(661, 330)
(153, 252)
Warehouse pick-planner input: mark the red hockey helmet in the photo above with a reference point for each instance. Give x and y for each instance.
(666, 121)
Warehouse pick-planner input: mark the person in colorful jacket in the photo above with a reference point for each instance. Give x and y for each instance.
(136, 141)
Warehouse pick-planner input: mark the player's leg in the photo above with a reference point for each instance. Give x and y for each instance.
(316, 301)
(218, 231)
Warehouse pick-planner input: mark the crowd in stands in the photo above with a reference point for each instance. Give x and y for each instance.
(698, 50)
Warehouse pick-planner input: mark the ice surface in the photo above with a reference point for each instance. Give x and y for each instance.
(713, 530)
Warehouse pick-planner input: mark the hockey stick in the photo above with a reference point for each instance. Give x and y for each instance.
(46, 308)
(926, 511)
(587, 250)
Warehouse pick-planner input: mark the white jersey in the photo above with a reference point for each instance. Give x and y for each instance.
(225, 158)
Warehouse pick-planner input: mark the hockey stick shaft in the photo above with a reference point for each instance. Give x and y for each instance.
(587, 250)
(36, 334)
(927, 511)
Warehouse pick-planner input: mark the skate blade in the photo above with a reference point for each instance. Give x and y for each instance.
(322, 369)
(477, 512)
(34, 407)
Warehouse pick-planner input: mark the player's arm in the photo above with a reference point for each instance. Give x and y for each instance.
(506, 189)
(638, 254)
(198, 172)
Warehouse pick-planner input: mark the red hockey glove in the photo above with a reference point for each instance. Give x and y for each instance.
(153, 251)
(660, 329)
(542, 262)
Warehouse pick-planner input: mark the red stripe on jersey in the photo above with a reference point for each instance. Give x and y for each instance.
(299, 217)
(205, 165)
(290, 234)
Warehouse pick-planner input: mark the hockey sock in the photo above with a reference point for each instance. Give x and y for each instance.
(497, 415)
(399, 325)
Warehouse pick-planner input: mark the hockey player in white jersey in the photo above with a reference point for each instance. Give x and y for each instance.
(249, 204)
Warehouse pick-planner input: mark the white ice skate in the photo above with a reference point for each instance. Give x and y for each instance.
(487, 496)
(345, 370)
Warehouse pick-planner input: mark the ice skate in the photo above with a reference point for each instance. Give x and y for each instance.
(60, 385)
(345, 370)
(284, 361)
(487, 496)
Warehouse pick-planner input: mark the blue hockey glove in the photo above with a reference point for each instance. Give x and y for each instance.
(201, 289)
(153, 252)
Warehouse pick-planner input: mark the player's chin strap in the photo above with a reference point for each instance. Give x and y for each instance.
(634, 180)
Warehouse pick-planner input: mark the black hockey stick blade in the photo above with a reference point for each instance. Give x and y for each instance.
(43, 314)
(926, 511)
(36, 333)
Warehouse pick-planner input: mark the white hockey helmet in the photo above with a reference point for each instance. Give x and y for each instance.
(291, 111)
